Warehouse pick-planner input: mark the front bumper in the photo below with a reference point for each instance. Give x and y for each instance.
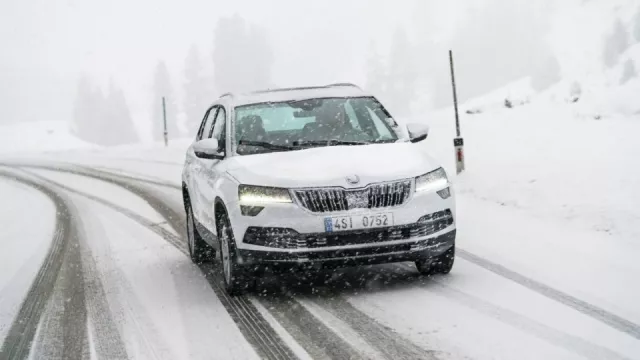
(376, 254)
(293, 216)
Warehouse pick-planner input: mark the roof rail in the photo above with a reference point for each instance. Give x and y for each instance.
(226, 94)
(287, 89)
(344, 84)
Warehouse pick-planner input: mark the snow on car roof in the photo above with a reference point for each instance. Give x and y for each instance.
(279, 95)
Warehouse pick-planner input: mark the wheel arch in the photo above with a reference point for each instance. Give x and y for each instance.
(219, 208)
(185, 196)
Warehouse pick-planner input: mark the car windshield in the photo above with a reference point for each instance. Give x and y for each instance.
(300, 124)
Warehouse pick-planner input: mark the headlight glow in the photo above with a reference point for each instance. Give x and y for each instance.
(435, 180)
(256, 195)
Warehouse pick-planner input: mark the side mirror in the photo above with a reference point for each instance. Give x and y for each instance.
(417, 132)
(208, 149)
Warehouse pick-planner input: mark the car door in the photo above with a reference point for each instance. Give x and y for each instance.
(209, 173)
(195, 165)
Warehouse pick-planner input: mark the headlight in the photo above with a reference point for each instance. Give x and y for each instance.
(256, 195)
(434, 180)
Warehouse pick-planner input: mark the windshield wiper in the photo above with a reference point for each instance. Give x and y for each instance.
(265, 145)
(331, 142)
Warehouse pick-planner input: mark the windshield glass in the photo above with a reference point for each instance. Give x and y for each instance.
(309, 123)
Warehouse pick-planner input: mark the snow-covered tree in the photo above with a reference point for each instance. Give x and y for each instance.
(546, 74)
(628, 72)
(575, 92)
(196, 96)
(401, 80)
(82, 109)
(88, 114)
(636, 26)
(242, 56)
(117, 125)
(376, 72)
(498, 43)
(615, 44)
(162, 88)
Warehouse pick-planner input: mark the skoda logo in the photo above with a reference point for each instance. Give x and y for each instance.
(352, 180)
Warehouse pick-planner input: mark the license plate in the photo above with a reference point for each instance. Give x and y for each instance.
(357, 222)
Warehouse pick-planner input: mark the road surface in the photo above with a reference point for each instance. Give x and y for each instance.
(116, 283)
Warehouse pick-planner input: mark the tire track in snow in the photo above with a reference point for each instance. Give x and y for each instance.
(61, 258)
(298, 319)
(287, 310)
(584, 307)
(106, 338)
(553, 336)
(579, 305)
(315, 337)
(250, 322)
(383, 339)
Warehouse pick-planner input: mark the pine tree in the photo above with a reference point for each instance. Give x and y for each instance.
(547, 74)
(376, 72)
(162, 88)
(636, 26)
(575, 92)
(628, 72)
(89, 108)
(195, 91)
(117, 127)
(616, 43)
(499, 42)
(261, 57)
(80, 125)
(401, 89)
(242, 56)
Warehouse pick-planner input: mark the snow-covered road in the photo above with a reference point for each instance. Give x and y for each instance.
(24, 247)
(142, 298)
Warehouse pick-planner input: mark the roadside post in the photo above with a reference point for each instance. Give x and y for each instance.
(458, 142)
(164, 118)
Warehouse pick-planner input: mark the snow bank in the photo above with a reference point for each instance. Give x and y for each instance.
(38, 137)
(549, 160)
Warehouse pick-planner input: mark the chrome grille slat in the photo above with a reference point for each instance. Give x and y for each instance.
(323, 200)
(335, 199)
(312, 196)
(332, 200)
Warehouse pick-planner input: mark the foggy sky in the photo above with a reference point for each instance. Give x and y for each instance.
(47, 44)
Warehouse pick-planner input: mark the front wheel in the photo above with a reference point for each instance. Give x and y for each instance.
(235, 276)
(440, 265)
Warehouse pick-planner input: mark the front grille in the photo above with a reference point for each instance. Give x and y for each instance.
(290, 239)
(339, 199)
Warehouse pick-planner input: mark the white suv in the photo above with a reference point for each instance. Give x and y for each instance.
(319, 176)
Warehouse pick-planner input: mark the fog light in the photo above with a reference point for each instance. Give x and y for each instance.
(250, 210)
(444, 193)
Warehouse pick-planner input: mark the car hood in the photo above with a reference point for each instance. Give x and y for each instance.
(331, 165)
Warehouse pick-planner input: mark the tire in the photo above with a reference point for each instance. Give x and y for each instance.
(440, 265)
(199, 251)
(236, 278)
